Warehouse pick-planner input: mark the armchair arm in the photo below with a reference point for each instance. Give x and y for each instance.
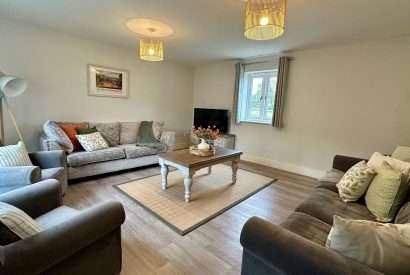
(291, 254)
(45, 249)
(35, 199)
(22, 175)
(48, 159)
(168, 138)
(343, 163)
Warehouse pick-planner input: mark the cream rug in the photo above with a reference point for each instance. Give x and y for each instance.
(211, 195)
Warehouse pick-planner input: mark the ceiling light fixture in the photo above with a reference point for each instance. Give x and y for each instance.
(151, 49)
(264, 19)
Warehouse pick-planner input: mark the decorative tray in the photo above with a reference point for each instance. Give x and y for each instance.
(193, 150)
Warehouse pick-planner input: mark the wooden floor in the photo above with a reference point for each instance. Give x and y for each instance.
(151, 247)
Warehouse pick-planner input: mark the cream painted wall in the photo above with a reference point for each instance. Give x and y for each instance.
(55, 67)
(350, 100)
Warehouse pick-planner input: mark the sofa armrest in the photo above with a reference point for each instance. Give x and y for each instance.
(49, 159)
(292, 254)
(35, 199)
(22, 175)
(49, 144)
(47, 248)
(168, 138)
(343, 163)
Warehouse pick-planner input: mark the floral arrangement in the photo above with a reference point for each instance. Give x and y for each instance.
(210, 133)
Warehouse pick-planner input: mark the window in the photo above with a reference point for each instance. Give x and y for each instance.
(257, 96)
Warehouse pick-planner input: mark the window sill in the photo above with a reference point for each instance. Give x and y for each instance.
(256, 122)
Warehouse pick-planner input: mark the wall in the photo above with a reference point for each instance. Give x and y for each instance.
(350, 100)
(55, 67)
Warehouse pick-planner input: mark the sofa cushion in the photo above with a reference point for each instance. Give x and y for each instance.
(129, 132)
(323, 204)
(134, 151)
(307, 227)
(56, 216)
(404, 213)
(158, 128)
(331, 186)
(110, 131)
(377, 160)
(53, 131)
(71, 132)
(82, 158)
(332, 175)
(53, 173)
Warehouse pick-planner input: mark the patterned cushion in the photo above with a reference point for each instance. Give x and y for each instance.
(387, 193)
(17, 222)
(383, 247)
(355, 182)
(157, 128)
(71, 131)
(129, 132)
(377, 159)
(92, 142)
(14, 155)
(110, 131)
(53, 131)
(82, 158)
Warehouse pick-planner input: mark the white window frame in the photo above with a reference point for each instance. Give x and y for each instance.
(244, 103)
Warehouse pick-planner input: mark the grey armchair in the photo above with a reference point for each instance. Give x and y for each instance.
(47, 165)
(73, 242)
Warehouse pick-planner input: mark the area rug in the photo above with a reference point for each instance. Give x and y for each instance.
(211, 195)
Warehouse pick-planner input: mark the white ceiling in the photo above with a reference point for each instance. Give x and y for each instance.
(209, 30)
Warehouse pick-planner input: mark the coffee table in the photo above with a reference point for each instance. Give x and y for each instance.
(189, 164)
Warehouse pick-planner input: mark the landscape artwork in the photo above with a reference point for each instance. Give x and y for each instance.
(108, 82)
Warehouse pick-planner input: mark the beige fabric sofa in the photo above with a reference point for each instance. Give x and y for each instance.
(122, 154)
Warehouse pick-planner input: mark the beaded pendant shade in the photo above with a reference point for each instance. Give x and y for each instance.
(151, 49)
(264, 19)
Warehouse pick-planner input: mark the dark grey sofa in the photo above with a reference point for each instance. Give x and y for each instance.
(297, 245)
(73, 242)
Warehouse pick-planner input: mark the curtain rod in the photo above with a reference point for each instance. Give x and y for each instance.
(265, 61)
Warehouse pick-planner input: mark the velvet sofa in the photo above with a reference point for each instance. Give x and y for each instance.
(297, 246)
(122, 154)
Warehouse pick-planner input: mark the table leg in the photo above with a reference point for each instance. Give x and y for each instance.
(234, 170)
(188, 184)
(209, 170)
(164, 173)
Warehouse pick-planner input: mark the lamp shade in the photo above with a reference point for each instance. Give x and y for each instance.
(151, 49)
(12, 86)
(264, 19)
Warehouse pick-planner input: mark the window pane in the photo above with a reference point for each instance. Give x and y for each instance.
(254, 108)
(270, 98)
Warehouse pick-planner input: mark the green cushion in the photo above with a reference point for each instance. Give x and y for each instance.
(86, 131)
(387, 193)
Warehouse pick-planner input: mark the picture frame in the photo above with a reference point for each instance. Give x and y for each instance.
(107, 82)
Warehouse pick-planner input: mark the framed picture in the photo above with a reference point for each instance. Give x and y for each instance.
(109, 82)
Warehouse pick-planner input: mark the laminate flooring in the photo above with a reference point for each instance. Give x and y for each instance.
(151, 247)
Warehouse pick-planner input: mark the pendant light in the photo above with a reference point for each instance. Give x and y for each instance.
(264, 19)
(151, 49)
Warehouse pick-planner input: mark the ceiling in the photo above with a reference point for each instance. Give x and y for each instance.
(210, 30)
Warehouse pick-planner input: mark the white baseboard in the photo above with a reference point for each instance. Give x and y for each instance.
(284, 166)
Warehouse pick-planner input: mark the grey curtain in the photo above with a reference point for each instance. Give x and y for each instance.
(239, 67)
(283, 69)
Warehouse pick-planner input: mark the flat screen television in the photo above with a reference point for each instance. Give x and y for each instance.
(210, 117)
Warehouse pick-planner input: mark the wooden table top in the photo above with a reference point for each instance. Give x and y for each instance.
(184, 158)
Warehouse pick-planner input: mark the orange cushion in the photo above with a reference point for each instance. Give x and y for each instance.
(71, 132)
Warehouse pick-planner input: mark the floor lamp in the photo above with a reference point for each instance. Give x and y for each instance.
(10, 86)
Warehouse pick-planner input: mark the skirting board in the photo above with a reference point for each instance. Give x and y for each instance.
(284, 166)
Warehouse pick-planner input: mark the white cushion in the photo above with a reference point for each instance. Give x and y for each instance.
(92, 142)
(376, 160)
(383, 247)
(14, 155)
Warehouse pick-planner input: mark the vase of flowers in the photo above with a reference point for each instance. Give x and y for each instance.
(207, 135)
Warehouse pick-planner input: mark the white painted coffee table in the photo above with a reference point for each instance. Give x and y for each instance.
(189, 164)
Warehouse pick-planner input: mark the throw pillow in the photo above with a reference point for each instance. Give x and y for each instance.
(86, 131)
(383, 247)
(157, 128)
(110, 131)
(386, 193)
(355, 182)
(71, 131)
(14, 155)
(53, 131)
(129, 132)
(92, 142)
(16, 224)
(377, 159)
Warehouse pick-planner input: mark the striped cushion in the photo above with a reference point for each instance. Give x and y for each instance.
(17, 222)
(14, 155)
